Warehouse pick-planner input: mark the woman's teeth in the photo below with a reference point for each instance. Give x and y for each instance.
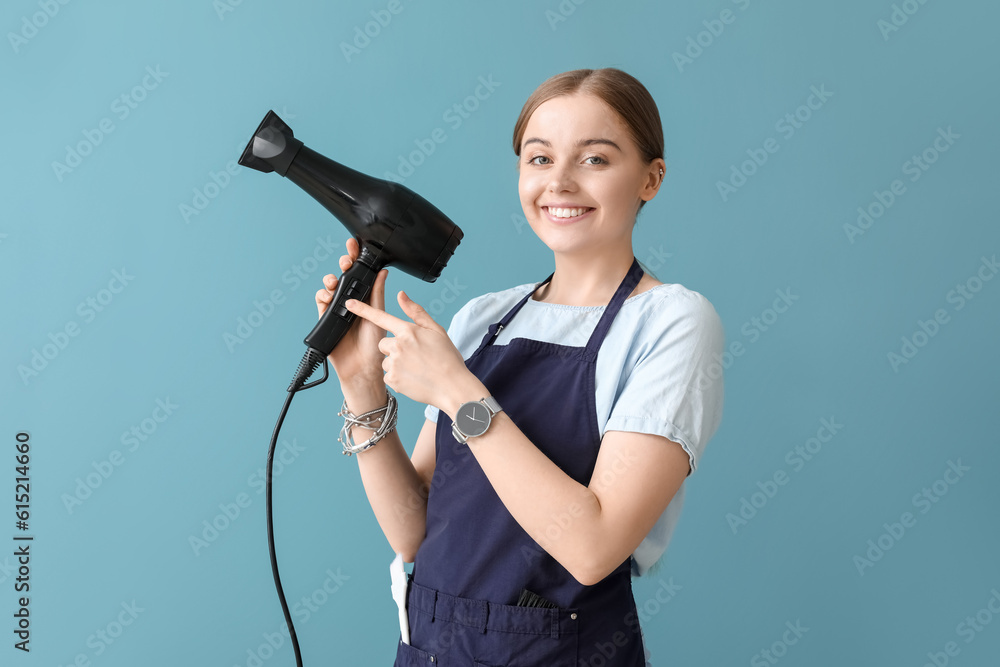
(567, 212)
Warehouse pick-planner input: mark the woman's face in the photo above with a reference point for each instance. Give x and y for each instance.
(577, 154)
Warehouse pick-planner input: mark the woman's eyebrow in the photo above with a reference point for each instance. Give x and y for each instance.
(579, 144)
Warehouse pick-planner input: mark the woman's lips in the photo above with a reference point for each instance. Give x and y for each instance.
(565, 221)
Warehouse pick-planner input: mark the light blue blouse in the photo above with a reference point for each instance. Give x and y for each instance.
(658, 370)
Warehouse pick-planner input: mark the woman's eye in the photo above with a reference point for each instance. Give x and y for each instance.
(598, 160)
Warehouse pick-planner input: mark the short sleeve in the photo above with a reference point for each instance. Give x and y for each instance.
(675, 385)
(431, 413)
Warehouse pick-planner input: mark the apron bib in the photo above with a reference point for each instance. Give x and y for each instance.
(475, 558)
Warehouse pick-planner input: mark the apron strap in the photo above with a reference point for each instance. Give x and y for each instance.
(628, 284)
(494, 329)
(625, 288)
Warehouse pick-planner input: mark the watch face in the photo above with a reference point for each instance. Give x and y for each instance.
(473, 418)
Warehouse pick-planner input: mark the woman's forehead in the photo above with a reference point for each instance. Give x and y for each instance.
(567, 116)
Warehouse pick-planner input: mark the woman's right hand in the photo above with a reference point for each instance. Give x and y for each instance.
(356, 359)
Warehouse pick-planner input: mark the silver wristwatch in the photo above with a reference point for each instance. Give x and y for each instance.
(473, 418)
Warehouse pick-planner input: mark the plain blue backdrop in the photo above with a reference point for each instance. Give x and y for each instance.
(131, 247)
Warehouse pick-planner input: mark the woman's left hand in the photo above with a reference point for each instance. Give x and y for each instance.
(421, 361)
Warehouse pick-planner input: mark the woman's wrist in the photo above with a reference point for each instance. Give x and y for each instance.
(468, 388)
(364, 396)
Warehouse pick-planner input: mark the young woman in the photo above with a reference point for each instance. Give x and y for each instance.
(563, 416)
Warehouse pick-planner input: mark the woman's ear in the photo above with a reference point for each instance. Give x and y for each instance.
(655, 175)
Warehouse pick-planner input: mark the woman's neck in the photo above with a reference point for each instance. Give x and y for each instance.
(586, 280)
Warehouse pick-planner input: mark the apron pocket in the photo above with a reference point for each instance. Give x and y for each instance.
(525, 650)
(410, 656)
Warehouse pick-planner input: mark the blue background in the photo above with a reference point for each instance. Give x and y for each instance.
(193, 276)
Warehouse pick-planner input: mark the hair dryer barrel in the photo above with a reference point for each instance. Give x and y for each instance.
(400, 227)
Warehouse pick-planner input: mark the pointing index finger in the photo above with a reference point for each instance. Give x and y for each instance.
(374, 315)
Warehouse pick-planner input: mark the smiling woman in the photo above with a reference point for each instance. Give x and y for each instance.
(563, 416)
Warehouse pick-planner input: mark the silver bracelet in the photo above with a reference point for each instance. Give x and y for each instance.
(385, 417)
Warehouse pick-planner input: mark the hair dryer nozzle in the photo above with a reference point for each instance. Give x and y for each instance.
(272, 147)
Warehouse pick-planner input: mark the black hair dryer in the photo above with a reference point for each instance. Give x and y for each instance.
(394, 226)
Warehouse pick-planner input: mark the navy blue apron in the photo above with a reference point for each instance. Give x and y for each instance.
(475, 558)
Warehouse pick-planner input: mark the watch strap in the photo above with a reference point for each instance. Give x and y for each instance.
(492, 405)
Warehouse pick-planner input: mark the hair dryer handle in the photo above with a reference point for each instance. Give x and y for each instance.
(356, 283)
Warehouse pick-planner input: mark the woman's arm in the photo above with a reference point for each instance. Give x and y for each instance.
(589, 530)
(396, 484)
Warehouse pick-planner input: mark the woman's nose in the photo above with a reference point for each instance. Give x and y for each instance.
(561, 178)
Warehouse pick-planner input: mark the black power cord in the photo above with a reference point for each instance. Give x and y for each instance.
(310, 362)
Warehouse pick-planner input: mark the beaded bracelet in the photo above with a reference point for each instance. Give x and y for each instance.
(384, 416)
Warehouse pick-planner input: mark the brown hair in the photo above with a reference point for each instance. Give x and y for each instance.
(619, 90)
